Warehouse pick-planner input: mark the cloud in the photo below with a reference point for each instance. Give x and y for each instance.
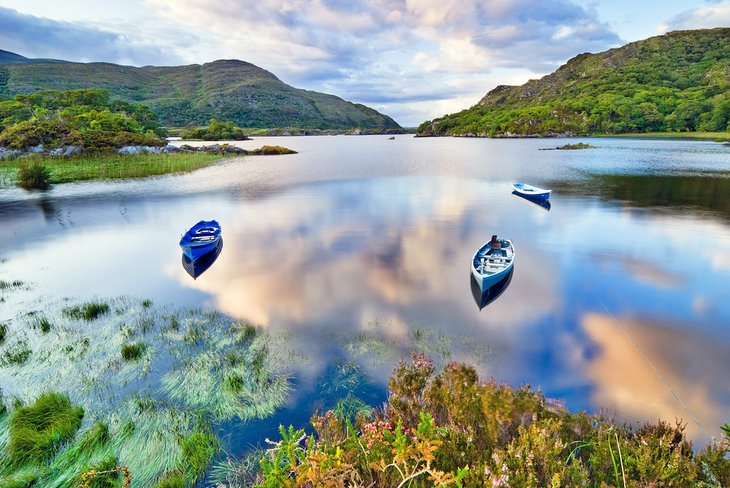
(394, 52)
(36, 37)
(714, 14)
(684, 365)
(409, 58)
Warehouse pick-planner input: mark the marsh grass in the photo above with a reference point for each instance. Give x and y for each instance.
(110, 166)
(88, 311)
(140, 412)
(9, 285)
(42, 324)
(134, 351)
(37, 431)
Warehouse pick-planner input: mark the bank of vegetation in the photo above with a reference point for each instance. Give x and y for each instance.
(123, 393)
(677, 82)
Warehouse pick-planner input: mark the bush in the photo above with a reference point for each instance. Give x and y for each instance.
(452, 429)
(37, 431)
(34, 176)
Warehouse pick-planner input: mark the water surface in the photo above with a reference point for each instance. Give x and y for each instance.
(618, 298)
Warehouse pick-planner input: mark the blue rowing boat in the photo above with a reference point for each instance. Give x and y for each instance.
(530, 191)
(492, 262)
(201, 239)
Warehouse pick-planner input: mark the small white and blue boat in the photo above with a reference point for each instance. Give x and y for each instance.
(201, 239)
(530, 191)
(492, 262)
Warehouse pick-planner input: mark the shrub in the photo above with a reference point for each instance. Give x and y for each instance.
(37, 431)
(452, 429)
(34, 176)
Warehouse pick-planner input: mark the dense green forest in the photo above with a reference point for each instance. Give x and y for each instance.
(89, 119)
(676, 82)
(228, 90)
(215, 131)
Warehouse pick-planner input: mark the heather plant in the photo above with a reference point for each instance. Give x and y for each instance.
(452, 429)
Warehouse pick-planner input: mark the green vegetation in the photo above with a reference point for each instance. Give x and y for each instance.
(89, 119)
(43, 324)
(452, 429)
(228, 90)
(134, 351)
(88, 311)
(112, 166)
(272, 151)
(37, 431)
(579, 145)
(215, 131)
(33, 176)
(144, 429)
(676, 82)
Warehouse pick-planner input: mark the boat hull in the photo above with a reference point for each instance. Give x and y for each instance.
(533, 192)
(196, 267)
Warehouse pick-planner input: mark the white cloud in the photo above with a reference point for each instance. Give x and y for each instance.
(395, 54)
(715, 14)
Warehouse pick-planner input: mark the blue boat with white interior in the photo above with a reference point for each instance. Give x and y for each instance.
(492, 262)
(530, 191)
(201, 239)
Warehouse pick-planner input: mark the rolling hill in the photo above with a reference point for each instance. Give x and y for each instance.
(229, 90)
(679, 81)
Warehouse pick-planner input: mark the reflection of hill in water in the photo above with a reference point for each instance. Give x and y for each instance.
(693, 192)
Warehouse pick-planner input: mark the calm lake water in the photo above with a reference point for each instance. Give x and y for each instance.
(358, 249)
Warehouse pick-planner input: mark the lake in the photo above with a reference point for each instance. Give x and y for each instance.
(358, 247)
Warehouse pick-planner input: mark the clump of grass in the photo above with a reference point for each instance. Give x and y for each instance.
(34, 176)
(43, 324)
(17, 353)
(146, 303)
(134, 351)
(197, 450)
(8, 285)
(172, 480)
(88, 311)
(37, 431)
(3, 332)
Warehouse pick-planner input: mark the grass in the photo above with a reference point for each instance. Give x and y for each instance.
(706, 136)
(134, 351)
(43, 324)
(3, 332)
(88, 311)
(9, 285)
(39, 430)
(107, 166)
(163, 437)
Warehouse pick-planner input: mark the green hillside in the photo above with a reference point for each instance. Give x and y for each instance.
(228, 90)
(676, 82)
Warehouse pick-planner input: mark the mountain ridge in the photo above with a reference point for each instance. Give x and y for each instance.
(227, 89)
(679, 81)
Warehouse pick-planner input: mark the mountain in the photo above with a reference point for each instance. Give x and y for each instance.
(228, 90)
(679, 81)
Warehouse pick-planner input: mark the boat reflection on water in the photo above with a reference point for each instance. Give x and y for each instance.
(196, 267)
(545, 204)
(484, 297)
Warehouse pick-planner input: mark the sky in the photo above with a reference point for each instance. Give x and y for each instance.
(411, 59)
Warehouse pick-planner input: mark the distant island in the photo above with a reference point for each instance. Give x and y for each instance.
(227, 90)
(677, 82)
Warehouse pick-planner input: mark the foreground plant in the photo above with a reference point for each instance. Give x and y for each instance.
(452, 429)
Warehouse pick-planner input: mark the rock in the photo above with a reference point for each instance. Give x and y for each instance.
(36, 149)
(9, 153)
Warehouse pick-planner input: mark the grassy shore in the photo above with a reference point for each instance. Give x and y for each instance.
(704, 136)
(108, 166)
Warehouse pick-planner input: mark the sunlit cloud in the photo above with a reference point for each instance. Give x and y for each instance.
(648, 371)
